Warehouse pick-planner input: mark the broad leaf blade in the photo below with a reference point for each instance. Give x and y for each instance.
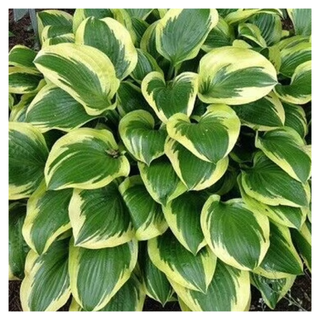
(85, 158)
(100, 218)
(27, 156)
(50, 268)
(97, 275)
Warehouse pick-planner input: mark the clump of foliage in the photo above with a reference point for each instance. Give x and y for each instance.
(160, 153)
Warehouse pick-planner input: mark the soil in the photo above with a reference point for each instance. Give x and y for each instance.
(299, 297)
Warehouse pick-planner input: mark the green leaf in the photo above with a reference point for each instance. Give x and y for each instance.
(130, 98)
(286, 148)
(183, 217)
(84, 72)
(299, 89)
(18, 248)
(270, 27)
(85, 158)
(293, 56)
(148, 40)
(171, 97)
(53, 108)
(139, 13)
(301, 19)
(156, 283)
(141, 139)
(269, 184)
(287, 216)
(282, 259)
(53, 18)
(264, 114)
(22, 56)
(27, 156)
(295, 118)
(111, 38)
(221, 35)
(272, 290)
(97, 275)
(100, 218)
(46, 286)
(235, 76)
(229, 290)
(53, 31)
(146, 214)
(146, 64)
(161, 181)
(191, 271)
(212, 137)
(24, 80)
(130, 297)
(252, 32)
(64, 38)
(195, 173)
(39, 229)
(19, 110)
(181, 33)
(238, 15)
(235, 234)
(302, 241)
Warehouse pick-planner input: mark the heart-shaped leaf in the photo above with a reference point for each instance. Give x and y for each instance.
(85, 158)
(139, 136)
(212, 138)
(161, 181)
(195, 173)
(169, 98)
(113, 39)
(181, 33)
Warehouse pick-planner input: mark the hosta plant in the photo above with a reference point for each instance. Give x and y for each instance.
(163, 154)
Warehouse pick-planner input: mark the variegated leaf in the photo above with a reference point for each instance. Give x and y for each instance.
(130, 297)
(264, 114)
(161, 181)
(40, 229)
(53, 18)
(302, 241)
(100, 218)
(156, 283)
(18, 248)
(22, 56)
(85, 72)
(141, 139)
(146, 214)
(239, 15)
(54, 108)
(235, 76)
(146, 64)
(252, 32)
(171, 97)
(24, 80)
(259, 183)
(181, 33)
(282, 259)
(97, 275)
(284, 215)
(236, 235)
(301, 19)
(212, 137)
(85, 158)
(221, 35)
(53, 31)
(113, 39)
(195, 173)
(28, 153)
(183, 217)
(229, 290)
(64, 38)
(299, 89)
(139, 13)
(293, 56)
(272, 290)
(130, 98)
(286, 148)
(46, 286)
(194, 272)
(295, 118)
(19, 110)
